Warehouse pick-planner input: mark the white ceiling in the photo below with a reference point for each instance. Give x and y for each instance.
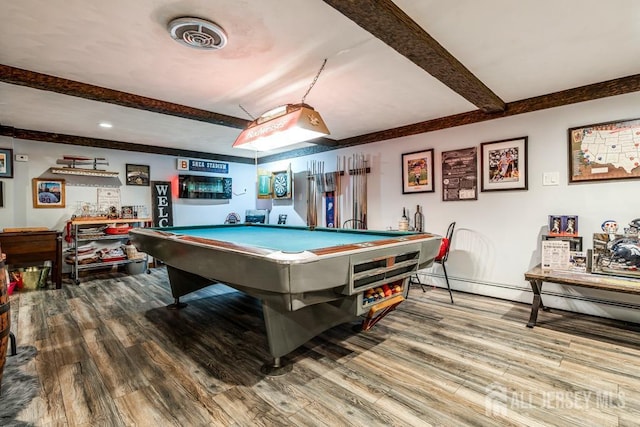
(518, 49)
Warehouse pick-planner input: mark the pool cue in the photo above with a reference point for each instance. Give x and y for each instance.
(338, 192)
(364, 192)
(354, 188)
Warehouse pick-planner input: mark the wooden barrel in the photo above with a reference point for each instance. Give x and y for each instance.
(5, 317)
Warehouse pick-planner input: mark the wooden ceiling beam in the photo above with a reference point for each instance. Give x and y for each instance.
(387, 22)
(59, 138)
(18, 76)
(604, 89)
(32, 79)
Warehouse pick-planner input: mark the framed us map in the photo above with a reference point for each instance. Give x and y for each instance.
(604, 151)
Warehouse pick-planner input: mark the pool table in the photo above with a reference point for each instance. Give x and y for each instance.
(308, 279)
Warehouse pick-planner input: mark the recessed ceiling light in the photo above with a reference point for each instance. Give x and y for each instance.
(105, 125)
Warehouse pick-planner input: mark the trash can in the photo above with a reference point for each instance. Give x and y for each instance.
(137, 266)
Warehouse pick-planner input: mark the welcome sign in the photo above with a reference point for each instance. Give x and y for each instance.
(162, 204)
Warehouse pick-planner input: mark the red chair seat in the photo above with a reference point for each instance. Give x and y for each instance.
(444, 245)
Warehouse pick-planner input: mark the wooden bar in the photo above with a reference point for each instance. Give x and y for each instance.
(536, 277)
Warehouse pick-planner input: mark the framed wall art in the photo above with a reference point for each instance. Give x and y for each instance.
(138, 175)
(417, 172)
(504, 164)
(48, 193)
(604, 151)
(6, 163)
(264, 184)
(460, 174)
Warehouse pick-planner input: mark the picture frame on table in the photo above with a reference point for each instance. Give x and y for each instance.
(504, 164)
(6, 163)
(48, 193)
(137, 175)
(575, 242)
(604, 151)
(417, 172)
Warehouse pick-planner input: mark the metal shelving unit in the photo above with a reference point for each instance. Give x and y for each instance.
(79, 224)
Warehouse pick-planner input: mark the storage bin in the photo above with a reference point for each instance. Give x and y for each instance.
(137, 267)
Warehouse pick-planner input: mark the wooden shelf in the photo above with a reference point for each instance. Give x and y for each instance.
(105, 220)
(83, 172)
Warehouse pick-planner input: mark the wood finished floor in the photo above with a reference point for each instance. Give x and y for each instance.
(111, 354)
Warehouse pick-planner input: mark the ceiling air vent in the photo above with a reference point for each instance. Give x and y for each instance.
(197, 33)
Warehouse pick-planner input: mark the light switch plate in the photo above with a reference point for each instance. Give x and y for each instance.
(22, 158)
(551, 178)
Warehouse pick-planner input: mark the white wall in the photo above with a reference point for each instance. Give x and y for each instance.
(18, 208)
(497, 236)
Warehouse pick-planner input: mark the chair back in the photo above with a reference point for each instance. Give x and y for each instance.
(232, 218)
(354, 224)
(446, 244)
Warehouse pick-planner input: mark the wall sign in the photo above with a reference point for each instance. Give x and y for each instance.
(162, 204)
(202, 166)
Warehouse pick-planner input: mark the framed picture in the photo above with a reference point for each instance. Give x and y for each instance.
(264, 184)
(138, 175)
(460, 174)
(6, 163)
(48, 193)
(604, 151)
(417, 172)
(504, 164)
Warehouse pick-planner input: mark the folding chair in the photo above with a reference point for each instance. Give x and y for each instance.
(441, 259)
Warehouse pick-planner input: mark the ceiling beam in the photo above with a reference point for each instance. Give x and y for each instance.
(585, 93)
(18, 76)
(605, 89)
(58, 138)
(389, 23)
(32, 79)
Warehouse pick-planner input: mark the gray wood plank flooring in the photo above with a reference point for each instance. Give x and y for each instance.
(111, 354)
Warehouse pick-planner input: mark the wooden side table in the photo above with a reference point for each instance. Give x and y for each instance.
(28, 247)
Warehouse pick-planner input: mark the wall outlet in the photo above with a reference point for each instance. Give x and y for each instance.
(22, 158)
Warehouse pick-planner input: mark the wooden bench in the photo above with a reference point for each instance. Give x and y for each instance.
(536, 276)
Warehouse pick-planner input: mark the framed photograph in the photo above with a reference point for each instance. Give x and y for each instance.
(48, 193)
(6, 163)
(504, 164)
(460, 174)
(604, 151)
(138, 175)
(417, 172)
